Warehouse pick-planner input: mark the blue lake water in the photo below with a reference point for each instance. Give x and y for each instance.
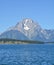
(27, 54)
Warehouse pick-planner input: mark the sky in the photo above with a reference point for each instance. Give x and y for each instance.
(13, 11)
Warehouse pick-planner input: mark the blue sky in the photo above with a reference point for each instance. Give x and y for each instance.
(12, 11)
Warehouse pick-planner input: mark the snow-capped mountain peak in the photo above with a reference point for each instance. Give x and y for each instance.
(32, 30)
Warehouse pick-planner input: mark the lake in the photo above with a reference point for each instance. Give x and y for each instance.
(26, 54)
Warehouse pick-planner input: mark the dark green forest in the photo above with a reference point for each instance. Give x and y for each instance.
(14, 41)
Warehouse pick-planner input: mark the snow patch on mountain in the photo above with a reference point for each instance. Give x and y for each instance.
(26, 28)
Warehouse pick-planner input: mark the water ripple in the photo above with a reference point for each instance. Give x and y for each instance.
(26, 56)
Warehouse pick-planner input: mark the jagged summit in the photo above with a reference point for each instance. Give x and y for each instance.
(28, 27)
(27, 20)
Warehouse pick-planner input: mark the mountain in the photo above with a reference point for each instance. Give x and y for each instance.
(0, 33)
(13, 34)
(28, 29)
(50, 35)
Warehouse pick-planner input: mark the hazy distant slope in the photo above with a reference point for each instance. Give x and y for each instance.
(13, 34)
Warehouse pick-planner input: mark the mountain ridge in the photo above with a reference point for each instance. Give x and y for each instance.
(32, 30)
